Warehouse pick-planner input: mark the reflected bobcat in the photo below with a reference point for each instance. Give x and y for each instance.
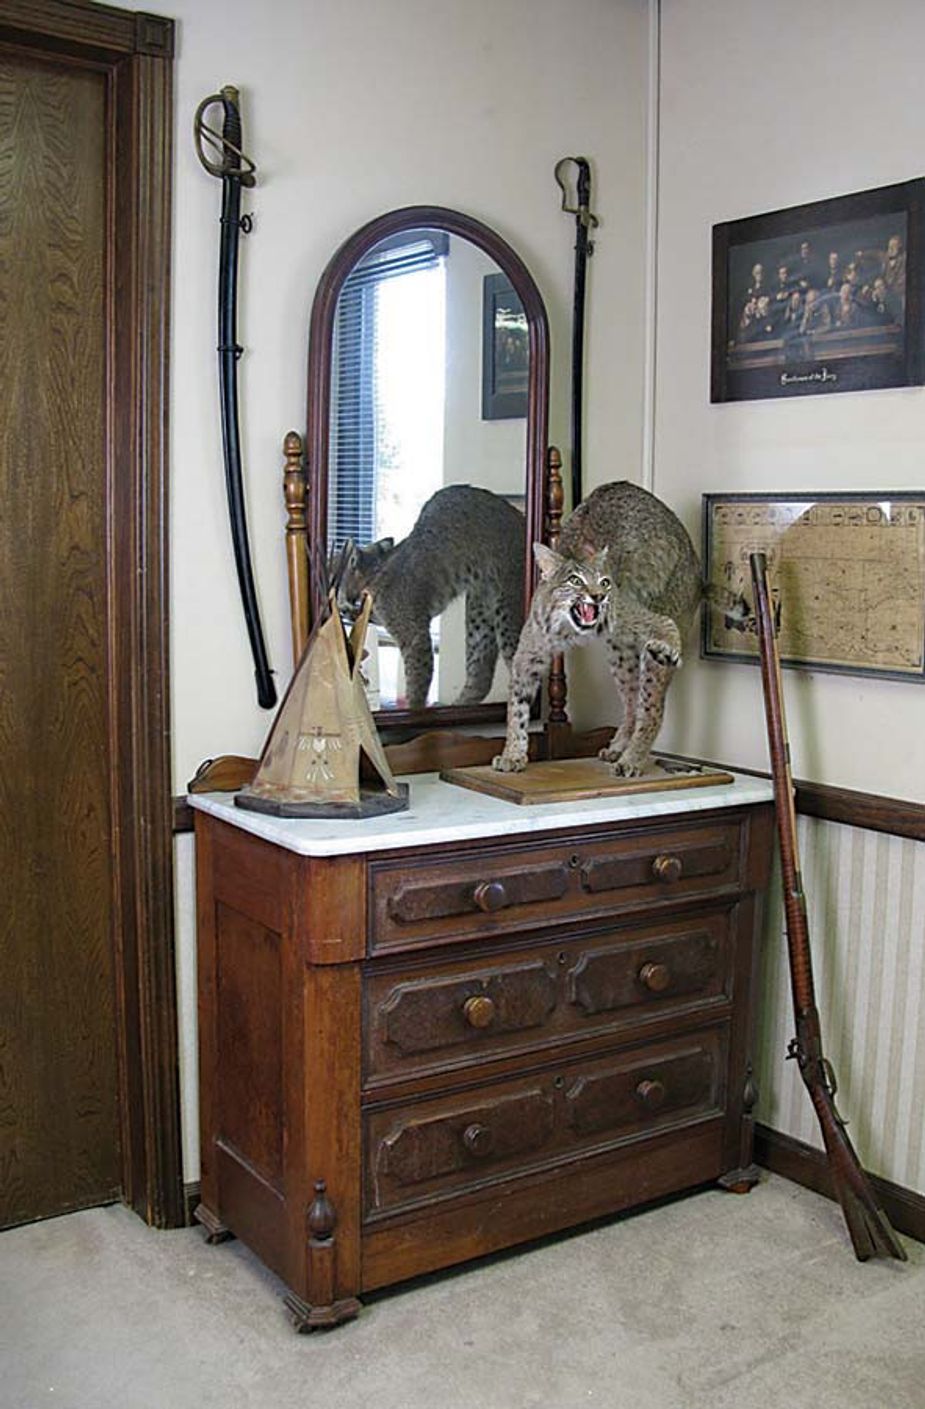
(465, 540)
(626, 573)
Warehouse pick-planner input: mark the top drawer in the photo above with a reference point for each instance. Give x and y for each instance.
(503, 888)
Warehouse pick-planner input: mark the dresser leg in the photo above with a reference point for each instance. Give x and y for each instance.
(325, 1309)
(740, 1181)
(747, 1174)
(317, 1318)
(216, 1230)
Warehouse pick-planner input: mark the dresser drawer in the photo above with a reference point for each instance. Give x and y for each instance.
(471, 893)
(454, 1012)
(449, 1145)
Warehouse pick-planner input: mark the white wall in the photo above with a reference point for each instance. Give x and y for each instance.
(761, 107)
(764, 106)
(351, 109)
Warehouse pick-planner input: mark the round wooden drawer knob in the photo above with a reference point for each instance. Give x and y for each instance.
(490, 895)
(477, 1139)
(650, 1094)
(667, 868)
(655, 977)
(479, 1011)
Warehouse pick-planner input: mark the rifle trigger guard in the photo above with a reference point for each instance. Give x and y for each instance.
(831, 1087)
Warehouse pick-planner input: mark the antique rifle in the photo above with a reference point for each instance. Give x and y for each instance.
(868, 1225)
(235, 170)
(584, 248)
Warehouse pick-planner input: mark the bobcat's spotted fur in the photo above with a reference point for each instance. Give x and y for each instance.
(626, 573)
(465, 540)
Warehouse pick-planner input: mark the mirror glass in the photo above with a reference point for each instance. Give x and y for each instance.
(427, 462)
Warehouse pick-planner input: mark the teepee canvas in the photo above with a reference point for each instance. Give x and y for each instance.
(310, 765)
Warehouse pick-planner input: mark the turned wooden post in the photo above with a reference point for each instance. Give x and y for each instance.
(295, 488)
(556, 689)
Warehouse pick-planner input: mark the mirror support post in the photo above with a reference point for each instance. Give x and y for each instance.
(296, 489)
(557, 722)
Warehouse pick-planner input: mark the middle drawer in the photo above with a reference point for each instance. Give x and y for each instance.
(421, 1019)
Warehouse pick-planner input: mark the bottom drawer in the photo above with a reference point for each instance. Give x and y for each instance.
(439, 1147)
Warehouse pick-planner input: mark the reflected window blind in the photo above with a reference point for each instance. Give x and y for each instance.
(355, 413)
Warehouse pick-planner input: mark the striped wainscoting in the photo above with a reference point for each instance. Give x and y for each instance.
(865, 895)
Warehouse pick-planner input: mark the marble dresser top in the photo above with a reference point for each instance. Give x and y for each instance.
(443, 812)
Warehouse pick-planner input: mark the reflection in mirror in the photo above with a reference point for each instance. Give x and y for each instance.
(427, 466)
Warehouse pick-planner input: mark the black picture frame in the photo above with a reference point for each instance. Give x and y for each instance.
(505, 351)
(793, 345)
(856, 606)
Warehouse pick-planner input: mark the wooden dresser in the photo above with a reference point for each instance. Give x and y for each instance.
(429, 1036)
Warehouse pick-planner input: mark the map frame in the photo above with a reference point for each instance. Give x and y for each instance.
(735, 525)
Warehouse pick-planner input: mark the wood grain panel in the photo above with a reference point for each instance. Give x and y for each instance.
(58, 1094)
(249, 991)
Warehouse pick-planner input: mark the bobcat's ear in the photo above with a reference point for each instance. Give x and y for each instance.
(547, 560)
(369, 559)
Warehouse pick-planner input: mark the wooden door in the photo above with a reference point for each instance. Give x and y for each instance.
(88, 1100)
(58, 1078)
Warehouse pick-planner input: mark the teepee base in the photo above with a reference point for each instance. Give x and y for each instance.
(372, 803)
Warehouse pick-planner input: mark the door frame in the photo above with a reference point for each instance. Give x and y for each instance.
(134, 51)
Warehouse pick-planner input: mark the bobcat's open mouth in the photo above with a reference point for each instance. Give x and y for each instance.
(585, 614)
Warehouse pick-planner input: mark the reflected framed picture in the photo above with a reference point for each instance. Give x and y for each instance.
(846, 572)
(505, 351)
(820, 298)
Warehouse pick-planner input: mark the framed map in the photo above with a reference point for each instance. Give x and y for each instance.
(846, 573)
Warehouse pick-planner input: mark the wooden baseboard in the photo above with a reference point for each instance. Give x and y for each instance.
(806, 1165)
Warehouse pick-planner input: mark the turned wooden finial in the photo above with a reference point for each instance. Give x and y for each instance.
(555, 498)
(295, 489)
(321, 1215)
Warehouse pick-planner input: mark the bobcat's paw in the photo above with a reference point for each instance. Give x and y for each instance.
(509, 762)
(663, 652)
(612, 753)
(617, 746)
(631, 765)
(470, 695)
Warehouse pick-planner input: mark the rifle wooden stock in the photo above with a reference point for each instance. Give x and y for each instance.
(868, 1225)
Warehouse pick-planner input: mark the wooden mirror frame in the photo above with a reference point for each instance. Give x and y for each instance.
(321, 343)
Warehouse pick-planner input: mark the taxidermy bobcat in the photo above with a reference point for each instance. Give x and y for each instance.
(465, 540)
(626, 573)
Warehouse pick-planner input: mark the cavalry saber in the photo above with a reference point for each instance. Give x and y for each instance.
(584, 248)
(235, 170)
(868, 1225)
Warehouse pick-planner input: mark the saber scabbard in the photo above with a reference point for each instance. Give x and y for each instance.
(235, 170)
(584, 248)
(868, 1225)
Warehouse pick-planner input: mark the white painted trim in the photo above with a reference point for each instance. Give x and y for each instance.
(650, 311)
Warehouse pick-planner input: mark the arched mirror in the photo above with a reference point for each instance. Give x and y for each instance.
(427, 424)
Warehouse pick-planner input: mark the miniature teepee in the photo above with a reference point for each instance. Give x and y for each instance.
(310, 765)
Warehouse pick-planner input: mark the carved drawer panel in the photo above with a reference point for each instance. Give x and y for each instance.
(437, 1148)
(458, 1012)
(415, 902)
(426, 1015)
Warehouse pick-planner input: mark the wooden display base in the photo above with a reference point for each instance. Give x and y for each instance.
(575, 779)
